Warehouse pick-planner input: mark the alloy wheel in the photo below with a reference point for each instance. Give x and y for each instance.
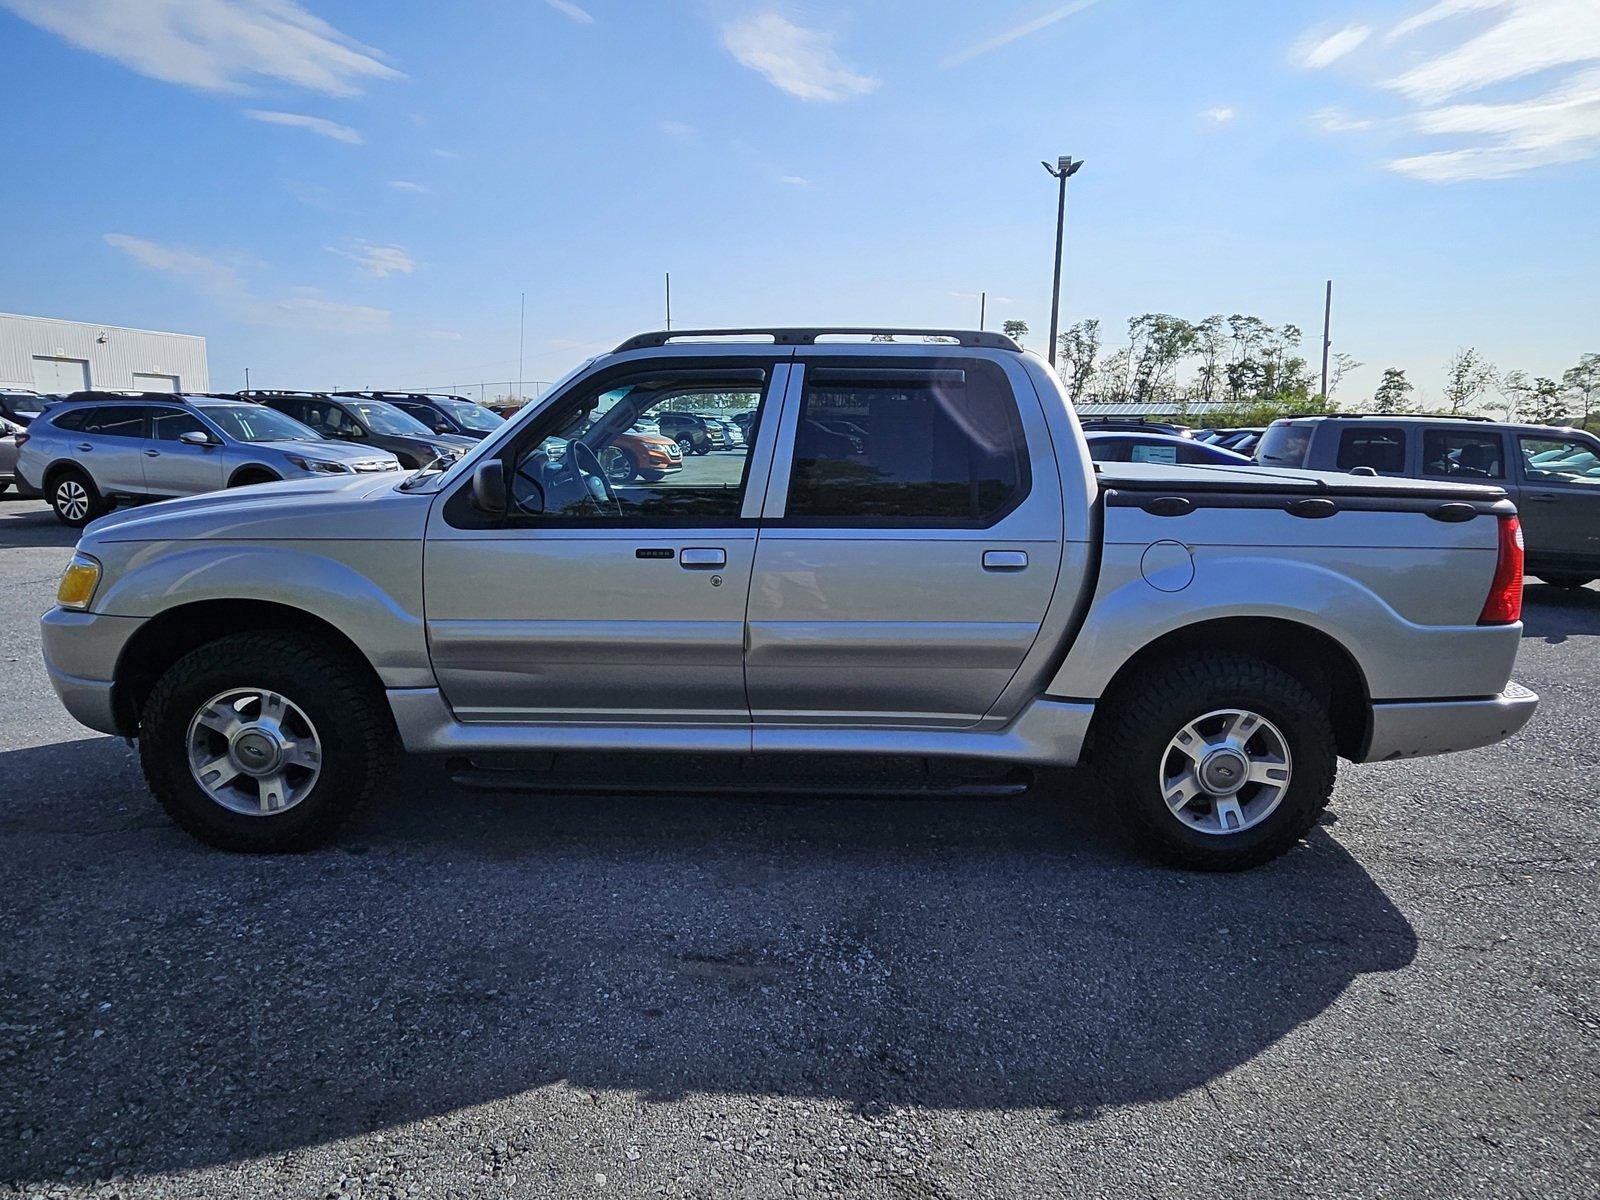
(1226, 771)
(254, 751)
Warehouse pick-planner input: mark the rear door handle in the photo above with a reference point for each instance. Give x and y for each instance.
(1004, 560)
(703, 558)
(1541, 497)
(85, 446)
(152, 454)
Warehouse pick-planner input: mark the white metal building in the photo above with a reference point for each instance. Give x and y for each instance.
(40, 354)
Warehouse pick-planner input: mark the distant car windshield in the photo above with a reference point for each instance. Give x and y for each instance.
(473, 416)
(27, 404)
(258, 423)
(1284, 446)
(382, 417)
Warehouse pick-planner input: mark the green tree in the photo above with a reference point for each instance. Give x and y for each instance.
(1158, 342)
(1392, 391)
(1208, 346)
(1342, 365)
(1015, 330)
(1547, 406)
(1076, 352)
(1514, 389)
(1466, 377)
(1582, 386)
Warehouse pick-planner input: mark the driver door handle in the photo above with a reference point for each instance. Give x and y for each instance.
(703, 558)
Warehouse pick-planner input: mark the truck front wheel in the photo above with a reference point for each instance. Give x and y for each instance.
(265, 742)
(1218, 762)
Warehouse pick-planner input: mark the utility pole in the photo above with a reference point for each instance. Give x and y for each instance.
(1066, 167)
(669, 301)
(1327, 319)
(983, 309)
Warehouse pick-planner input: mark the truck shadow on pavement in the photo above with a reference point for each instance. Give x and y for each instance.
(30, 522)
(168, 1006)
(1555, 614)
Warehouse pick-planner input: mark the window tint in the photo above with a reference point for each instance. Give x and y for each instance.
(1463, 454)
(73, 419)
(123, 421)
(935, 447)
(1283, 445)
(604, 455)
(1103, 449)
(1560, 460)
(169, 424)
(1383, 450)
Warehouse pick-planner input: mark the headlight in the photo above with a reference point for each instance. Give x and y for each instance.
(317, 465)
(78, 583)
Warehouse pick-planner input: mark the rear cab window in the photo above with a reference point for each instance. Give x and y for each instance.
(937, 446)
(1284, 445)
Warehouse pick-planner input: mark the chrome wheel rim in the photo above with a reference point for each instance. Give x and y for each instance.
(254, 752)
(72, 499)
(1226, 771)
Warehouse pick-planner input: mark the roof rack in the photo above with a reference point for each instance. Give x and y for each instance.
(1407, 416)
(378, 394)
(808, 336)
(258, 394)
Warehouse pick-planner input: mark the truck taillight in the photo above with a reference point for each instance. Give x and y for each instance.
(22, 436)
(1504, 605)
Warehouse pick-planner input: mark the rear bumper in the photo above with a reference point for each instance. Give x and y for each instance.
(1413, 729)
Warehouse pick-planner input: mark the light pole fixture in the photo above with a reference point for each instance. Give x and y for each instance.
(1066, 167)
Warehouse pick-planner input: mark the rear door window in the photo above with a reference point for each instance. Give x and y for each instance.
(1464, 454)
(126, 421)
(1383, 449)
(73, 419)
(938, 446)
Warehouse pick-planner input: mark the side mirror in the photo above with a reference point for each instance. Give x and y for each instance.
(1363, 470)
(442, 427)
(196, 437)
(489, 487)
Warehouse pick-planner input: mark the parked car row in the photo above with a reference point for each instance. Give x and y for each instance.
(90, 451)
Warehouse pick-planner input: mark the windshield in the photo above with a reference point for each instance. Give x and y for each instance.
(472, 416)
(382, 417)
(27, 404)
(1284, 446)
(257, 423)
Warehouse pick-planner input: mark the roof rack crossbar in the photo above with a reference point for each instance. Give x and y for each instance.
(807, 336)
(1412, 416)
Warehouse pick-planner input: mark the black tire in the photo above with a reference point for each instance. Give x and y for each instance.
(5, 486)
(704, 447)
(1569, 581)
(334, 690)
(247, 478)
(75, 508)
(619, 465)
(686, 444)
(1146, 715)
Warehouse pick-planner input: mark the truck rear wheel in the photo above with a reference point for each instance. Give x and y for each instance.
(265, 742)
(1218, 762)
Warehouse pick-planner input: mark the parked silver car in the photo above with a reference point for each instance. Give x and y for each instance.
(94, 450)
(956, 581)
(9, 432)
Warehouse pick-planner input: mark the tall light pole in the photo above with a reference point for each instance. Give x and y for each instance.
(1327, 323)
(1066, 167)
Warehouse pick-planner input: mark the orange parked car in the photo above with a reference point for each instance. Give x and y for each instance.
(639, 455)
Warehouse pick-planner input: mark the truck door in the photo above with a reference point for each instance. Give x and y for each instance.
(1559, 502)
(606, 595)
(910, 540)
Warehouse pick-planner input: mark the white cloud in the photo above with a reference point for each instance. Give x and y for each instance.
(1220, 114)
(794, 59)
(1531, 36)
(677, 129)
(406, 185)
(795, 180)
(303, 308)
(1017, 33)
(444, 335)
(568, 9)
(317, 125)
(447, 155)
(1333, 120)
(213, 45)
(1317, 50)
(375, 260)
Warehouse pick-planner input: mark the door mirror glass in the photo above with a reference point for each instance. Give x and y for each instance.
(489, 487)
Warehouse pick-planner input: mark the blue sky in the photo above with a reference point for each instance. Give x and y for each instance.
(356, 194)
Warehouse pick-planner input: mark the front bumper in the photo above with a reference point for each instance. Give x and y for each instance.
(80, 654)
(1415, 728)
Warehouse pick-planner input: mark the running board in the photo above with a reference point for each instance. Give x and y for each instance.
(742, 778)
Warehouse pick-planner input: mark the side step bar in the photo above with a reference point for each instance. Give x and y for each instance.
(741, 778)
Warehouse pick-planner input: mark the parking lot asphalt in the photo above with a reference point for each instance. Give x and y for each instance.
(493, 995)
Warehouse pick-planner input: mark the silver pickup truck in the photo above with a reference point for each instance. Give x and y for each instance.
(913, 556)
